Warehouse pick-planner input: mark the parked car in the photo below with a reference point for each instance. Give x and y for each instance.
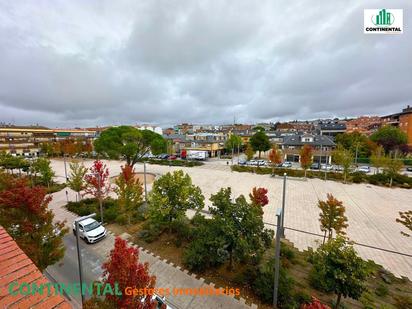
(409, 168)
(163, 156)
(252, 162)
(315, 166)
(261, 162)
(90, 230)
(242, 162)
(287, 164)
(364, 169)
(172, 157)
(326, 167)
(338, 168)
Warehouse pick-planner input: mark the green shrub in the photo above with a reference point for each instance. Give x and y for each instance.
(110, 214)
(182, 229)
(382, 290)
(287, 252)
(358, 177)
(403, 302)
(367, 300)
(302, 298)
(122, 219)
(264, 283)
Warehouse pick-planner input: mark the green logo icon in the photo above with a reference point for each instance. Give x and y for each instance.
(383, 18)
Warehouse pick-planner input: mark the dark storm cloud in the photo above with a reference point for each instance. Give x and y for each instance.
(110, 62)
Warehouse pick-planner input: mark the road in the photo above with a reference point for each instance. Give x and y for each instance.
(66, 271)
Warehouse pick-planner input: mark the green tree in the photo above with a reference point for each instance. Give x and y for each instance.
(11, 163)
(392, 167)
(129, 191)
(24, 213)
(305, 157)
(249, 152)
(172, 195)
(76, 180)
(390, 138)
(233, 142)
(129, 143)
(260, 142)
(378, 158)
(241, 225)
(406, 220)
(337, 268)
(332, 217)
(355, 142)
(42, 166)
(344, 158)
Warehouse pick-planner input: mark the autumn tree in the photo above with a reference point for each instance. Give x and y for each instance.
(315, 304)
(97, 180)
(129, 143)
(332, 217)
(260, 141)
(126, 271)
(305, 157)
(171, 196)
(249, 152)
(24, 213)
(337, 268)
(76, 178)
(275, 157)
(259, 197)
(392, 167)
(406, 220)
(129, 191)
(378, 158)
(344, 158)
(42, 166)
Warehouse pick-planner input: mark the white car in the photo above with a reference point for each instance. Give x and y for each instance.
(90, 230)
(252, 162)
(327, 167)
(286, 164)
(261, 162)
(364, 169)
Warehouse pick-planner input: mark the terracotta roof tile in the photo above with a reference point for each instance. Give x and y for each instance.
(15, 266)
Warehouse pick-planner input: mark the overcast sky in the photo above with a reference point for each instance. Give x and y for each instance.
(85, 63)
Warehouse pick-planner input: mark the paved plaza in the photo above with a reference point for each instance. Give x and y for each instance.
(371, 210)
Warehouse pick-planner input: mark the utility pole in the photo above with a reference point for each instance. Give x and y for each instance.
(238, 153)
(279, 231)
(283, 205)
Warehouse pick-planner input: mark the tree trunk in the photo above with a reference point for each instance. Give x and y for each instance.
(390, 183)
(305, 172)
(338, 301)
(324, 238)
(259, 154)
(273, 169)
(344, 177)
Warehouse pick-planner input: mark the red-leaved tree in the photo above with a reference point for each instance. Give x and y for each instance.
(24, 213)
(98, 170)
(124, 269)
(259, 197)
(315, 304)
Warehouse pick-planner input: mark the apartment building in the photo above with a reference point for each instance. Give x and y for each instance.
(27, 140)
(364, 124)
(403, 120)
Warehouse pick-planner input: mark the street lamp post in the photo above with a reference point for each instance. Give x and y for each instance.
(79, 256)
(145, 183)
(238, 153)
(65, 175)
(283, 205)
(279, 231)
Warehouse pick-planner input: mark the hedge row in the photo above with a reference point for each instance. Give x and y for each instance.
(380, 179)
